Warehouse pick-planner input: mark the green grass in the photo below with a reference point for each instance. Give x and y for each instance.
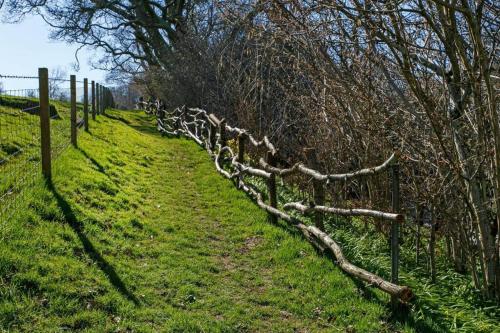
(138, 233)
(20, 145)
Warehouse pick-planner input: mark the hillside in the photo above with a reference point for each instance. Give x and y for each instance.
(138, 233)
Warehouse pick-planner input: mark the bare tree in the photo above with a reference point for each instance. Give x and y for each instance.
(58, 77)
(355, 79)
(132, 34)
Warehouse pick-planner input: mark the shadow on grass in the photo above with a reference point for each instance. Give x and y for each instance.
(99, 167)
(123, 120)
(88, 247)
(142, 125)
(433, 322)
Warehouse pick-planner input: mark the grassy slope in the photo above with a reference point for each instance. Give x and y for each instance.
(137, 232)
(20, 138)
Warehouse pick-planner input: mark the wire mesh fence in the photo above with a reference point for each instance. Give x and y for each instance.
(60, 125)
(19, 146)
(21, 134)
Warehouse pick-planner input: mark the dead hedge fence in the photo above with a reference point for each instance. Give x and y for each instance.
(213, 135)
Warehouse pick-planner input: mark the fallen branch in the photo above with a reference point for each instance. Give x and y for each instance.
(312, 233)
(345, 176)
(404, 293)
(344, 211)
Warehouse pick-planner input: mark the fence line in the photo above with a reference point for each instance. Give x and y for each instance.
(213, 134)
(36, 128)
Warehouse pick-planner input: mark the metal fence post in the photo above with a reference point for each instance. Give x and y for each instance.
(73, 109)
(395, 231)
(86, 103)
(43, 85)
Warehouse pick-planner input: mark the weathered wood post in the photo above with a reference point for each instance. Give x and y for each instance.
(242, 137)
(395, 231)
(212, 136)
(93, 100)
(43, 85)
(178, 120)
(241, 146)
(222, 133)
(318, 188)
(108, 99)
(182, 116)
(103, 99)
(271, 185)
(73, 109)
(97, 98)
(101, 96)
(86, 103)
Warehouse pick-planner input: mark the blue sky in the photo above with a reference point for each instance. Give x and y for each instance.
(26, 46)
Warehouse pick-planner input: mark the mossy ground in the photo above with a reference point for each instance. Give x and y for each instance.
(138, 233)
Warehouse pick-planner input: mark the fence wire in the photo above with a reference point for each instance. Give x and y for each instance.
(20, 150)
(19, 147)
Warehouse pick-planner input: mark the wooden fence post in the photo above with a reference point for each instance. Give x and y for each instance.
(222, 132)
(318, 189)
(103, 97)
(43, 85)
(241, 153)
(73, 110)
(395, 231)
(97, 98)
(103, 91)
(100, 99)
(212, 136)
(178, 120)
(86, 103)
(241, 147)
(93, 100)
(271, 185)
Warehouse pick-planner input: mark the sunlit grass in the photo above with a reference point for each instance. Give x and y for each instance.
(137, 232)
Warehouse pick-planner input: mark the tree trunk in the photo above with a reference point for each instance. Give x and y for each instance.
(432, 246)
(487, 241)
(458, 254)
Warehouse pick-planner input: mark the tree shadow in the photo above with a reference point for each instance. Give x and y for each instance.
(142, 125)
(123, 120)
(433, 322)
(88, 247)
(402, 314)
(99, 166)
